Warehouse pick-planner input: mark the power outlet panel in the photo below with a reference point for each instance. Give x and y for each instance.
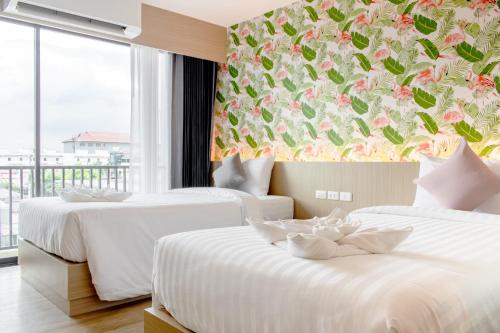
(333, 195)
(345, 196)
(321, 194)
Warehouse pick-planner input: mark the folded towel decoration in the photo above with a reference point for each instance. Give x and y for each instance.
(335, 235)
(76, 194)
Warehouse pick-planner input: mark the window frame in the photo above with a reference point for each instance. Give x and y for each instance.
(37, 91)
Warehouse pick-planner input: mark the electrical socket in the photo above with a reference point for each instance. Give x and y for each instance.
(345, 196)
(333, 195)
(320, 194)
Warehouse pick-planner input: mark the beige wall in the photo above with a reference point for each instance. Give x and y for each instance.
(181, 34)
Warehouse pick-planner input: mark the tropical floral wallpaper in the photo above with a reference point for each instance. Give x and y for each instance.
(362, 80)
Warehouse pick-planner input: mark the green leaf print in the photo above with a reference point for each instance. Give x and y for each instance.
(363, 61)
(236, 137)
(488, 150)
(312, 13)
(311, 130)
(308, 111)
(497, 83)
(360, 41)
(288, 140)
(335, 138)
(312, 72)
(489, 68)
(308, 53)
(234, 26)
(392, 135)
(289, 85)
(233, 71)
(423, 98)
(251, 41)
(233, 119)
(367, 2)
(407, 151)
(251, 142)
(469, 52)
(270, 27)
(468, 132)
(236, 40)
(473, 29)
(430, 49)
(397, 2)
(336, 14)
(408, 80)
(363, 127)
(267, 63)
(424, 24)
(220, 97)
(358, 105)
(335, 76)
(393, 66)
(219, 143)
(251, 91)
(347, 26)
(289, 29)
(409, 8)
(267, 116)
(269, 132)
(270, 80)
(269, 14)
(236, 88)
(429, 123)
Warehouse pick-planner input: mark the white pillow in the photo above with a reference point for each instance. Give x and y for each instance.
(90, 195)
(425, 199)
(257, 175)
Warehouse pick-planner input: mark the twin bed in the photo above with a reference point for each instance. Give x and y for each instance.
(443, 278)
(113, 243)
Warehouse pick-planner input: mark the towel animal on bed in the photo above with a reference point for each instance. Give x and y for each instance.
(328, 237)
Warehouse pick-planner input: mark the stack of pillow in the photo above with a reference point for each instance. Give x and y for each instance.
(463, 182)
(251, 176)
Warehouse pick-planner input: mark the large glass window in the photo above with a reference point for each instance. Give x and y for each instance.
(84, 115)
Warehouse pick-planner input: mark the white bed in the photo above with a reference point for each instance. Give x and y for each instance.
(444, 278)
(117, 239)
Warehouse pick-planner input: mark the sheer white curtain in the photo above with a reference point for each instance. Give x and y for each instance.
(150, 156)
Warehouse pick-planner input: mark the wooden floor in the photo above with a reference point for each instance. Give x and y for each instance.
(22, 309)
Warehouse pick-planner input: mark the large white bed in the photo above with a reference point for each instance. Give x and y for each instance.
(117, 239)
(444, 278)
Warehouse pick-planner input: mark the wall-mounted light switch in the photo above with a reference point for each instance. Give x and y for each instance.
(320, 194)
(345, 196)
(333, 195)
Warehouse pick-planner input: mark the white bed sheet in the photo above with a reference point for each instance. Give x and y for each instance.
(444, 278)
(276, 207)
(117, 239)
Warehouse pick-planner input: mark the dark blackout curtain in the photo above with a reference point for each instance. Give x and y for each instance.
(199, 78)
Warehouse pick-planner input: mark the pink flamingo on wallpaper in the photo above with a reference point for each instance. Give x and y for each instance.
(402, 93)
(363, 20)
(427, 4)
(457, 37)
(482, 5)
(455, 116)
(429, 75)
(479, 83)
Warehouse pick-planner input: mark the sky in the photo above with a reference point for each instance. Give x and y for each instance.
(85, 86)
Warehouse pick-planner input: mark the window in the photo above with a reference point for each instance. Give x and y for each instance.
(84, 93)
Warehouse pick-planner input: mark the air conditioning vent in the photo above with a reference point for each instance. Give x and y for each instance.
(120, 18)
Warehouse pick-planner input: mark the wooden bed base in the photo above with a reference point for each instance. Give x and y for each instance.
(160, 321)
(66, 284)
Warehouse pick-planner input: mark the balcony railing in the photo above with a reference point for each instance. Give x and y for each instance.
(17, 183)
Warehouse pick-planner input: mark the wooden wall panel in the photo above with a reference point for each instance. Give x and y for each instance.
(166, 30)
(372, 183)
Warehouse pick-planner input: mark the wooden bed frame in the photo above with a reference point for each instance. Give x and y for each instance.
(67, 285)
(158, 320)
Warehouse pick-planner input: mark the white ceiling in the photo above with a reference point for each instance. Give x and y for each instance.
(220, 12)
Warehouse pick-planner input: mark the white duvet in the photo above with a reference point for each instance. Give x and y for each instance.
(444, 278)
(117, 239)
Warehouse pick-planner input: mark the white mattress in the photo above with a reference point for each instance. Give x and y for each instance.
(117, 239)
(276, 207)
(444, 278)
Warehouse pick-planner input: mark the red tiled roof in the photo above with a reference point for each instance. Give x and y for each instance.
(101, 137)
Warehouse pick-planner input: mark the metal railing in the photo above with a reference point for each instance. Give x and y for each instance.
(18, 183)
